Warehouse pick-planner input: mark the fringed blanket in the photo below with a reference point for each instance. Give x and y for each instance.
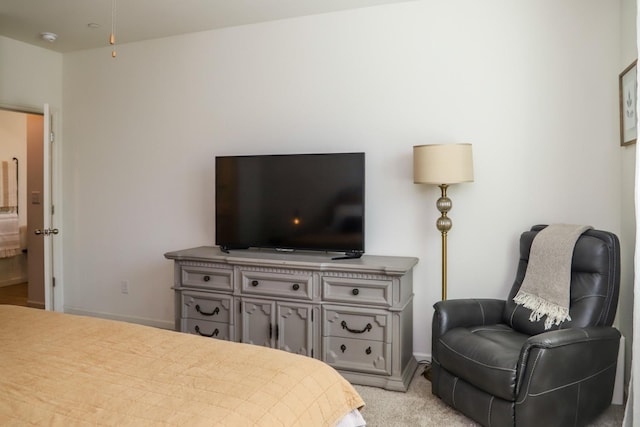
(545, 289)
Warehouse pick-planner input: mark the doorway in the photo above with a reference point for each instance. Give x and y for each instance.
(21, 170)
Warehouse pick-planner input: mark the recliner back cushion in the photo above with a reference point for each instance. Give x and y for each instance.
(595, 270)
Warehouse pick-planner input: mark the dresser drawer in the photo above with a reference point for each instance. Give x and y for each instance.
(206, 277)
(355, 322)
(358, 355)
(296, 285)
(205, 328)
(357, 291)
(210, 307)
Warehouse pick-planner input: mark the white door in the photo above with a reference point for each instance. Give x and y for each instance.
(49, 231)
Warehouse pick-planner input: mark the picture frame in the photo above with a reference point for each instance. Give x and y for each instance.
(628, 92)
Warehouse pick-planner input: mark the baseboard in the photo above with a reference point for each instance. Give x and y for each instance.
(129, 319)
(35, 304)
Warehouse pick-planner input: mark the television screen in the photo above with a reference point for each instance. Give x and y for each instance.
(292, 201)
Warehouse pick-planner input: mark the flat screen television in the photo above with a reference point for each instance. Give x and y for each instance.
(291, 202)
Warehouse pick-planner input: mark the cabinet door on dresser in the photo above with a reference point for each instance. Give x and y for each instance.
(257, 317)
(285, 325)
(295, 328)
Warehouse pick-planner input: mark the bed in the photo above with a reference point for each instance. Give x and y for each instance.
(67, 370)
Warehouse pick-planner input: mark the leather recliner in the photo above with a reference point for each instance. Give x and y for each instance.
(490, 362)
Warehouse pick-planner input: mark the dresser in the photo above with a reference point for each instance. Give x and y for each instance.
(354, 314)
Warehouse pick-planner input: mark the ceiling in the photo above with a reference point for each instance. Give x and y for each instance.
(137, 20)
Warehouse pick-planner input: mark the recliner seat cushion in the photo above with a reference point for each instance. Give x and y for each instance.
(486, 356)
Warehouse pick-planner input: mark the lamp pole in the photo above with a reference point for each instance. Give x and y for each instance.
(444, 225)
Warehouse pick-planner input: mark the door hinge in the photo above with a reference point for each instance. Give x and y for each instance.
(311, 352)
(312, 316)
(53, 282)
(53, 210)
(52, 137)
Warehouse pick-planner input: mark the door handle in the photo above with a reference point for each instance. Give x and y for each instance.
(46, 231)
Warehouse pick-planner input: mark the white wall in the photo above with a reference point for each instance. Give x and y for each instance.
(532, 85)
(29, 76)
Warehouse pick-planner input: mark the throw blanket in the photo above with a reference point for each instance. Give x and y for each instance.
(545, 289)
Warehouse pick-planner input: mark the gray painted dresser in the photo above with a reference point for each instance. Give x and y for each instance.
(355, 314)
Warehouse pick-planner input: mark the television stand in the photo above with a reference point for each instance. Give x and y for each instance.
(228, 249)
(349, 255)
(356, 315)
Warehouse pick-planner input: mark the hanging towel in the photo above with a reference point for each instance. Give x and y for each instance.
(8, 187)
(546, 288)
(9, 235)
(9, 222)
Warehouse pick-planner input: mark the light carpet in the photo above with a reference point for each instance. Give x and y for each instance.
(418, 407)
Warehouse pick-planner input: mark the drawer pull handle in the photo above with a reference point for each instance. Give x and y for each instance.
(296, 286)
(204, 313)
(213, 334)
(254, 283)
(368, 350)
(343, 347)
(356, 291)
(355, 331)
(206, 278)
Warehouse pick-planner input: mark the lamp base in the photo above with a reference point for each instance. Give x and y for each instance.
(427, 372)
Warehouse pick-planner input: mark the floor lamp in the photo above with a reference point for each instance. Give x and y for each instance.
(442, 165)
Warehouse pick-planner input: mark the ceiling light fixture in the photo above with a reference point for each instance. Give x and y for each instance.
(50, 37)
(112, 37)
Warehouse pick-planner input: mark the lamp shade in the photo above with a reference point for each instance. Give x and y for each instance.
(442, 164)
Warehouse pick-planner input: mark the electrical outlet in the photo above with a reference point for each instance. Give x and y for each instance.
(124, 286)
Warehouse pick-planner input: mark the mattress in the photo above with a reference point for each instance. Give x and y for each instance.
(65, 370)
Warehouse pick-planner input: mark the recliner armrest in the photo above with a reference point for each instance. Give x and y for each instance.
(562, 337)
(457, 313)
(554, 362)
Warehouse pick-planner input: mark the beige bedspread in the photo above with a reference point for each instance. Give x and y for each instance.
(64, 370)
